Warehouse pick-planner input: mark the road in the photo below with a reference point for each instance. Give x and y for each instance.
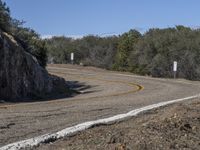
(102, 94)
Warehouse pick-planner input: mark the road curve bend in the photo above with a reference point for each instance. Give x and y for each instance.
(103, 94)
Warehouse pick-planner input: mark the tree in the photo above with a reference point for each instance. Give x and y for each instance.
(4, 17)
(27, 37)
(90, 50)
(32, 43)
(125, 46)
(151, 54)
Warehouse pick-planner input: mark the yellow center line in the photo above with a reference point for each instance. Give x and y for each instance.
(137, 88)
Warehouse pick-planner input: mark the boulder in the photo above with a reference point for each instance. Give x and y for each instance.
(21, 76)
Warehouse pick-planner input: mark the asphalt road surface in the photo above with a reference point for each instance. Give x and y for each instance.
(101, 94)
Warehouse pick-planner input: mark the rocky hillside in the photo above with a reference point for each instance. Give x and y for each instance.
(21, 76)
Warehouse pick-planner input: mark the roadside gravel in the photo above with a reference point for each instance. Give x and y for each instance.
(176, 126)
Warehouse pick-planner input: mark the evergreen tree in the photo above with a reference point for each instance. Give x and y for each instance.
(5, 18)
(125, 46)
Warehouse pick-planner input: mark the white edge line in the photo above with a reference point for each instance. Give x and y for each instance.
(86, 125)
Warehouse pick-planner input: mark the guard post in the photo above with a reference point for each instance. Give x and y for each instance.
(175, 68)
(72, 58)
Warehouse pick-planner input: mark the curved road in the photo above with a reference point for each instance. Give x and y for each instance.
(102, 94)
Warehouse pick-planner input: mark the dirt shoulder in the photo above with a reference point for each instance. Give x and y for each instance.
(173, 127)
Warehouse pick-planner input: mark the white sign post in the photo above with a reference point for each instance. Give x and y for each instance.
(175, 68)
(72, 58)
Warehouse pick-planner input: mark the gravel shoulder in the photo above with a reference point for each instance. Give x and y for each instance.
(176, 126)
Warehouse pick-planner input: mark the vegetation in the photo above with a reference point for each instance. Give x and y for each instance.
(156, 51)
(90, 50)
(28, 38)
(125, 47)
(151, 54)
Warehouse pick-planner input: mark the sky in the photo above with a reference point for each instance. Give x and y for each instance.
(77, 18)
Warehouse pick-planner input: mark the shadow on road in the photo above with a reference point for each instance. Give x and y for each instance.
(80, 88)
(74, 88)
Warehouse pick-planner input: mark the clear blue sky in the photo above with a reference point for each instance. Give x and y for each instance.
(82, 17)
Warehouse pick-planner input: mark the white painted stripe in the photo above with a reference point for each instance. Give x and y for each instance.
(83, 126)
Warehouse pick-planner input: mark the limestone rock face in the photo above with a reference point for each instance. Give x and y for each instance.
(21, 76)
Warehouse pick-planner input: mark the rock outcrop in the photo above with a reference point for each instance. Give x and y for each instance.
(21, 76)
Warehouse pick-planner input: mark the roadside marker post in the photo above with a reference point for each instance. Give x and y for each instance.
(72, 58)
(175, 68)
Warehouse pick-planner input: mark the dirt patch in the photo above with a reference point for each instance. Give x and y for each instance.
(173, 127)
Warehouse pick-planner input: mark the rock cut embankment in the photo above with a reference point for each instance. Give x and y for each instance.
(21, 76)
